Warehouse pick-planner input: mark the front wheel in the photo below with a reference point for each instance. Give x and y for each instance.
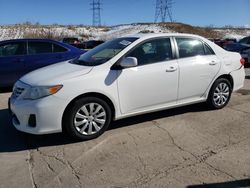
(220, 94)
(87, 118)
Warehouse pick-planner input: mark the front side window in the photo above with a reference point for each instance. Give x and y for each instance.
(153, 51)
(12, 49)
(104, 52)
(189, 47)
(39, 48)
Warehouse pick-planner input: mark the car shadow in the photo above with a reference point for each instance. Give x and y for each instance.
(247, 65)
(158, 115)
(12, 140)
(229, 184)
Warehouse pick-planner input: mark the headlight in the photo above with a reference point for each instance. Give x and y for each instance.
(38, 92)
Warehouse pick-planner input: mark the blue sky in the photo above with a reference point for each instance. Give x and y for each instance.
(195, 12)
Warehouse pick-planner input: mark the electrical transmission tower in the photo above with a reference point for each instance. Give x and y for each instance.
(96, 8)
(163, 10)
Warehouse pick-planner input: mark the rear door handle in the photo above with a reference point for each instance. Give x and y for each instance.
(213, 63)
(171, 69)
(20, 60)
(59, 56)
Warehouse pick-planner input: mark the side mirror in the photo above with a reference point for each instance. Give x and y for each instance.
(128, 62)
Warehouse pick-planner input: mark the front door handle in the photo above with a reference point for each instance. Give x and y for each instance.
(213, 63)
(171, 69)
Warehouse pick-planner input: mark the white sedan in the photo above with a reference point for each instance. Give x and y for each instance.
(125, 77)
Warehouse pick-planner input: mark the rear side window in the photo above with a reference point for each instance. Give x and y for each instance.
(13, 49)
(208, 50)
(57, 48)
(39, 48)
(153, 51)
(189, 47)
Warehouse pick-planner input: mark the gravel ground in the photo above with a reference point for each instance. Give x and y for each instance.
(184, 147)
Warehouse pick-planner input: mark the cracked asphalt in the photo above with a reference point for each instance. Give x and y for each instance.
(184, 147)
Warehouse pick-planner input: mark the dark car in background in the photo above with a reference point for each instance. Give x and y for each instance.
(20, 56)
(71, 40)
(92, 44)
(242, 47)
(74, 42)
(223, 42)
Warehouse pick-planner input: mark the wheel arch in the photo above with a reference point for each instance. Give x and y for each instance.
(210, 94)
(90, 94)
(228, 77)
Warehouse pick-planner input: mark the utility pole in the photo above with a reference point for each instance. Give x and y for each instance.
(96, 8)
(163, 10)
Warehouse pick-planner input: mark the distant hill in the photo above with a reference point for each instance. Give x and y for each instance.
(105, 33)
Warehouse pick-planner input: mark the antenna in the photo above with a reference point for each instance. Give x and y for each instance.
(163, 9)
(96, 8)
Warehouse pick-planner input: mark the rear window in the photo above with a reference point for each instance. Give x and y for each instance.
(39, 47)
(57, 48)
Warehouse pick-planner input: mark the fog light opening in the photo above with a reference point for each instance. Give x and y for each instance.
(32, 120)
(15, 120)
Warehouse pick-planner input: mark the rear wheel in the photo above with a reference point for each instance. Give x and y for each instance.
(220, 94)
(87, 118)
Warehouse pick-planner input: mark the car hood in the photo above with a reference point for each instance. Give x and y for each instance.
(55, 74)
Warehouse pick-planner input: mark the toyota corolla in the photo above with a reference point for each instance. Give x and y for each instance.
(125, 77)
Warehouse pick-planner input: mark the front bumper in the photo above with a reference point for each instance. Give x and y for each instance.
(48, 114)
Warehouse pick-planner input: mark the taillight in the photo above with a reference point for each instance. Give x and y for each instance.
(242, 61)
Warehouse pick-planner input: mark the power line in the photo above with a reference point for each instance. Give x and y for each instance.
(96, 8)
(163, 10)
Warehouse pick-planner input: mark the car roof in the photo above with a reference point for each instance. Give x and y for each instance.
(153, 35)
(143, 36)
(42, 40)
(29, 39)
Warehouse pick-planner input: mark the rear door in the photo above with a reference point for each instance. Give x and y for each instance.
(12, 61)
(198, 66)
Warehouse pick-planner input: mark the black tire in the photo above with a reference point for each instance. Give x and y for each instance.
(211, 101)
(69, 118)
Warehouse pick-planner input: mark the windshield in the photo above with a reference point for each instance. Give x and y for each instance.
(104, 52)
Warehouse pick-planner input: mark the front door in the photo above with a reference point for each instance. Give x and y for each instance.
(154, 82)
(12, 61)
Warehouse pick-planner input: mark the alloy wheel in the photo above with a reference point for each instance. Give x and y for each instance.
(90, 119)
(221, 94)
